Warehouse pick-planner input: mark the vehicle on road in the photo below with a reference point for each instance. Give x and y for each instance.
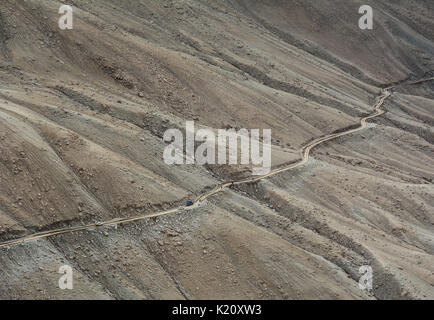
(189, 203)
(99, 223)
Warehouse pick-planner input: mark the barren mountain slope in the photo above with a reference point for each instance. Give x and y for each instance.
(83, 113)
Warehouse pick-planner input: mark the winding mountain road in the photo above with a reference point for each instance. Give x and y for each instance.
(304, 153)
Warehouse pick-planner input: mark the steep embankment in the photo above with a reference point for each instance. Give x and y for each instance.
(82, 114)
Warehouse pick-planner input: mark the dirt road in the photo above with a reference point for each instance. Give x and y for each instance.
(304, 153)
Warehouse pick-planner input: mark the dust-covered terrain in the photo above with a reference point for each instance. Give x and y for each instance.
(83, 113)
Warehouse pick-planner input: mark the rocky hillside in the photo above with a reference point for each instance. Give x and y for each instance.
(83, 113)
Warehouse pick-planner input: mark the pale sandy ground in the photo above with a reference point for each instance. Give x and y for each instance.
(82, 116)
